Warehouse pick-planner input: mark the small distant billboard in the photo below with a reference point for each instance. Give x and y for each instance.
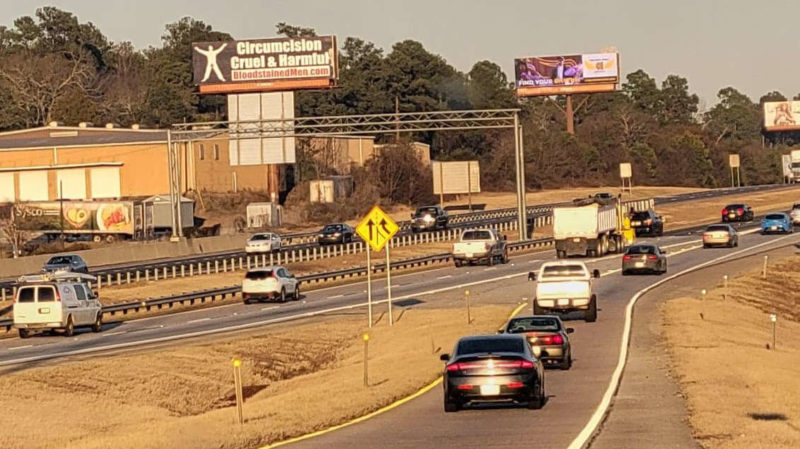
(733, 161)
(781, 115)
(625, 170)
(456, 177)
(263, 65)
(566, 74)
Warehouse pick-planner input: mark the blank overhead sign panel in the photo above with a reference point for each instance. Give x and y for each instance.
(248, 144)
(456, 177)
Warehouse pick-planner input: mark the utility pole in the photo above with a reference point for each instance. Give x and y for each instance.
(570, 116)
(397, 119)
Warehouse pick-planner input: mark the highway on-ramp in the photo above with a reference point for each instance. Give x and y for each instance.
(574, 395)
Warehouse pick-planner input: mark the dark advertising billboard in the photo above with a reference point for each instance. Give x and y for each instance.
(566, 74)
(259, 65)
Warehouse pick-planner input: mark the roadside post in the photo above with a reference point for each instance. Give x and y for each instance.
(702, 304)
(237, 383)
(764, 272)
(365, 337)
(469, 313)
(725, 287)
(773, 318)
(377, 229)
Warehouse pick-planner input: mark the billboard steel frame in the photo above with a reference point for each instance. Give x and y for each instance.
(344, 125)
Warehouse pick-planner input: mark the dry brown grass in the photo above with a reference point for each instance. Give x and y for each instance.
(296, 381)
(741, 394)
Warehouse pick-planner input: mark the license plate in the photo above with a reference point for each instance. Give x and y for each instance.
(731, 215)
(44, 310)
(636, 223)
(469, 255)
(773, 228)
(563, 302)
(639, 264)
(490, 390)
(576, 239)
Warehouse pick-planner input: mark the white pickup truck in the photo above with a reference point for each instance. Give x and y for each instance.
(564, 286)
(478, 245)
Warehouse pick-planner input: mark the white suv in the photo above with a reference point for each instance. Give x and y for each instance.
(61, 300)
(795, 213)
(263, 243)
(272, 282)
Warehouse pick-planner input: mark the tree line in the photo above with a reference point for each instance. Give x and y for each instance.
(53, 67)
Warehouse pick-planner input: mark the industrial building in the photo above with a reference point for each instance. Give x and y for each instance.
(87, 162)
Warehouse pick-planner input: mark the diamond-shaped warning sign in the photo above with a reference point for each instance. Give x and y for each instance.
(377, 228)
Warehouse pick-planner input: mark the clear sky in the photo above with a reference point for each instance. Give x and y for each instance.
(751, 45)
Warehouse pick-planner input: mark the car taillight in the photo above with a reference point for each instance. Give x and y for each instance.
(626, 257)
(515, 385)
(453, 367)
(552, 339)
(740, 211)
(465, 387)
(652, 257)
(525, 364)
(487, 246)
(724, 211)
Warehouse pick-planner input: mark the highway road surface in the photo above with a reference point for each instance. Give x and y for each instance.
(574, 395)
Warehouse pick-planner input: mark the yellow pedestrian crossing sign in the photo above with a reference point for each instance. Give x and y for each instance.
(377, 228)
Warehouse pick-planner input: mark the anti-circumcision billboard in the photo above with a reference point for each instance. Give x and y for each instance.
(567, 74)
(781, 115)
(258, 65)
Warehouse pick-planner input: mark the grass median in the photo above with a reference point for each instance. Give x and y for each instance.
(741, 391)
(296, 380)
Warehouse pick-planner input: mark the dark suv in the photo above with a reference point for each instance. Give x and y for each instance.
(737, 212)
(429, 218)
(647, 222)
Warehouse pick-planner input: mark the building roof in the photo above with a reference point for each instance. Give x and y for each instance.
(65, 136)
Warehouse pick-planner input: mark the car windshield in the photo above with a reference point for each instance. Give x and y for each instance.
(477, 235)
(332, 228)
(59, 260)
(734, 206)
(533, 324)
(260, 237)
(640, 216)
(258, 275)
(642, 249)
(563, 270)
(426, 210)
(489, 345)
(796, 206)
(717, 228)
(775, 217)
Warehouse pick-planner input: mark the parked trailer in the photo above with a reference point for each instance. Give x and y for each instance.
(588, 229)
(100, 220)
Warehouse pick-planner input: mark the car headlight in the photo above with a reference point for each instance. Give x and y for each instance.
(427, 219)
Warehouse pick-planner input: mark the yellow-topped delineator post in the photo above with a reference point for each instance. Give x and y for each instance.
(365, 337)
(377, 229)
(237, 383)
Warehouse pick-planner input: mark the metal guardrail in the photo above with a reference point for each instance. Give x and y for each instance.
(210, 295)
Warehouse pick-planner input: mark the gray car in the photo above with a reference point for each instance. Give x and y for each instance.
(67, 262)
(644, 258)
(547, 336)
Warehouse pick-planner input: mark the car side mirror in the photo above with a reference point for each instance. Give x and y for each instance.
(412, 216)
(531, 276)
(663, 251)
(596, 273)
(505, 237)
(444, 357)
(570, 330)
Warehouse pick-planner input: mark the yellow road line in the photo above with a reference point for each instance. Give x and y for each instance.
(385, 409)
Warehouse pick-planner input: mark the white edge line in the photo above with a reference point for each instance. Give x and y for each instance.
(589, 429)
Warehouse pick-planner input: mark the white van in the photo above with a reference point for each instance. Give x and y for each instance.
(60, 300)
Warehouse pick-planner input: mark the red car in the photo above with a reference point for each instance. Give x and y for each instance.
(737, 212)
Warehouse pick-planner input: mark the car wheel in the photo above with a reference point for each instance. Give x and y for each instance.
(560, 254)
(457, 263)
(24, 333)
(246, 300)
(490, 261)
(451, 406)
(296, 295)
(705, 246)
(537, 309)
(505, 257)
(591, 312)
(69, 330)
(625, 272)
(97, 326)
(283, 295)
(566, 364)
(537, 402)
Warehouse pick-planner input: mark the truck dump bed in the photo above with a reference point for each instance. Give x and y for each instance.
(583, 221)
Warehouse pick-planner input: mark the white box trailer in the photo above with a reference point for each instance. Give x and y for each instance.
(587, 230)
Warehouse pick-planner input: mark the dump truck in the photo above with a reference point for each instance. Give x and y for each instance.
(795, 166)
(589, 227)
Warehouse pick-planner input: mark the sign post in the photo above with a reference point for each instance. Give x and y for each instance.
(377, 229)
(733, 161)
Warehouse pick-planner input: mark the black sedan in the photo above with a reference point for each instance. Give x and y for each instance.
(644, 258)
(335, 233)
(68, 262)
(493, 368)
(737, 212)
(548, 337)
(647, 222)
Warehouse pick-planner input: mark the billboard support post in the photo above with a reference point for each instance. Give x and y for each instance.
(520, 164)
(570, 115)
(469, 189)
(441, 185)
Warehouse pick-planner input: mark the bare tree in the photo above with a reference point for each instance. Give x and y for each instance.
(36, 83)
(12, 234)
